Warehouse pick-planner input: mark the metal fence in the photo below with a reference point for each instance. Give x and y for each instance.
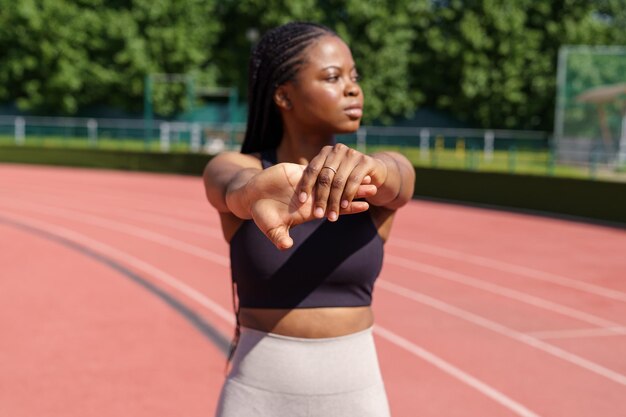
(472, 149)
(201, 136)
(162, 135)
(590, 111)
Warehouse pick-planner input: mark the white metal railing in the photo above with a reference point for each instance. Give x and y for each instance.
(214, 136)
(424, 136)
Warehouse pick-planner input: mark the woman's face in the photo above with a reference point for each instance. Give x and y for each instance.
(326, 96)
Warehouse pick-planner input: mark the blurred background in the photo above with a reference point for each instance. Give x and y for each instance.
(527, 87)
(519, 105)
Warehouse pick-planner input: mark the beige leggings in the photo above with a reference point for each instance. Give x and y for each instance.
(274, 375)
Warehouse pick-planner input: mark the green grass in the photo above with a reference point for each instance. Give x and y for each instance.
(533, 162)
(117, 144)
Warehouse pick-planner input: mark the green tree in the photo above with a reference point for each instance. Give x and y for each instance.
(612, 13)
(379, 33)
(61, 55)
(493, 62)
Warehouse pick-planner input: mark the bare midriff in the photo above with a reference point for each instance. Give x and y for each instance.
(311, 323)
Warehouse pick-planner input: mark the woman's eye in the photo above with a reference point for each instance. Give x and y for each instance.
(332, 78)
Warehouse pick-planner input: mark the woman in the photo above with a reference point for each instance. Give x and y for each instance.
(306, 219)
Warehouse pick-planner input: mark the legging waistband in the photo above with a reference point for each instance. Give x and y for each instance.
(259, 333)
(306, 366)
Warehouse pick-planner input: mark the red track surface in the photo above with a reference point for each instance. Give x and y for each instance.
(479, 313)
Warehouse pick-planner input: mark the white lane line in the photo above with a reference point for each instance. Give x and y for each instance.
(453, 371)
(135, 189)
(138, 214)
(124, 228)
(501, 291)
(226, 315)
(150, 201)
(483, 322)
(392, 259)
(131, 261)
(503, 330)
(578, 333)
(181, 225)
(458, 256)
(509, 268)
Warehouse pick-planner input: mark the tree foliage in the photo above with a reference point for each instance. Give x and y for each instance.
(60, 55)
(496, 59)
(491, 63)
(378, 32)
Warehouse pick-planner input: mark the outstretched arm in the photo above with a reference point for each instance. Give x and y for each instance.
(399, 183)
(236, 184)
(225, 179)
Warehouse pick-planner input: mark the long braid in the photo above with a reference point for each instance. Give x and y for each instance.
(275, 60)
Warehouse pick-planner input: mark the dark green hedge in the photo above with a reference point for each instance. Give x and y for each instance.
(598, 200)
(191, 164)
(595, 200)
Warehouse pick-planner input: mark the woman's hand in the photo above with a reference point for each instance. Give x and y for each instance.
(275, 206)
(334, 177)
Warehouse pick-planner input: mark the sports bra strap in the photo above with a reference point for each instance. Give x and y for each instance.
(268, 158)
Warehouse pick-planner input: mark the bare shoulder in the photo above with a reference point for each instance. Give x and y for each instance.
(228, 159)
(225, 165)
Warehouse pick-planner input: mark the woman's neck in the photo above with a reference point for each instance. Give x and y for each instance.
(301, 149)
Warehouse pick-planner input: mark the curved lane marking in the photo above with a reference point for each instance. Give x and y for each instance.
(446, 367)
(476, 260)
(504, 292)
(509, 268)
(135, 262)
(221, 342)
(505, 331)
(392, 259)
(71, 236)
(402, 291)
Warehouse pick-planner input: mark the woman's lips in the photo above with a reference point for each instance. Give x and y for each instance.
(354, 112)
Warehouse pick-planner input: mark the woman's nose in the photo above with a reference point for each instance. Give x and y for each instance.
(352, 89)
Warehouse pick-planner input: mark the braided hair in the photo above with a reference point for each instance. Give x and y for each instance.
(275, 60)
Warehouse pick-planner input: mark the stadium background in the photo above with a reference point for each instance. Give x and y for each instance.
(531, 87)
(512, 105)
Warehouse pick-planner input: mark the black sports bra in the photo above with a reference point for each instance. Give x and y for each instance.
(331, 264)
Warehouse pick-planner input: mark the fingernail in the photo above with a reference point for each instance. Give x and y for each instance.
(344, 203)
(302, 197)
(319, 212)
(332, 216)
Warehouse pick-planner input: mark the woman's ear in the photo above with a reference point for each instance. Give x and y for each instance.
(281, 98)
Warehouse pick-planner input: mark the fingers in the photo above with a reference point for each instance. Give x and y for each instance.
(355, 207)
(326, 177)
(331, 183)
(365, 191)
(356, 184)
(311, 173)
(334, 178)
(280, 237)
(272, 222)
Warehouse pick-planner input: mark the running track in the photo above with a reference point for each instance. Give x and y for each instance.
(115, 300)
